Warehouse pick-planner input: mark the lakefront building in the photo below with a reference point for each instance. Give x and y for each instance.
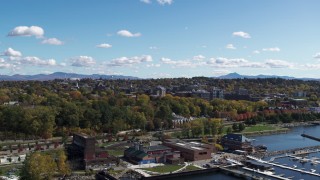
(190, 151)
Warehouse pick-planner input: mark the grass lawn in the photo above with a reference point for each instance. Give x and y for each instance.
(191, 168)
(115, 152)
(15, 169)
(164, 169)
(260, 127)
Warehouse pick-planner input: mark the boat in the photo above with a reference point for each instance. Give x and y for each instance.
(266, 172)
(314, 163)
(303, 160)
(294, 166)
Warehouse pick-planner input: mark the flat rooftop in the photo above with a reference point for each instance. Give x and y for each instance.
(188, 145)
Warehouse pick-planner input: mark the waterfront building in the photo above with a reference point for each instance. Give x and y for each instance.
(190, 151)
(138, 154)
(232, 142)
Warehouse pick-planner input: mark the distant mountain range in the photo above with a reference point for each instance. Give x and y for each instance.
(238, 76)
(60, 75)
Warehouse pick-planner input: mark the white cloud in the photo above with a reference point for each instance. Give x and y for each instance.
(146, 1)
(126, 33)
(52, 41)
(27, 31)
(104, 45)
(241, 34)
(153, 65)
(127, 61)
(317, 56)
(273, 63)
(153, 47)
(181, 63)
(12, 52)
(312, 66)
(227, 63)
(230, 46)
(222, 62)
(273, 49)
(256, 52)
(32, 60)
(82, 61)
(3, 64)
(163, 2)
(198, 57)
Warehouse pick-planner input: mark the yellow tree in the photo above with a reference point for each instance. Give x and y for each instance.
(62, 165)
(38, 167)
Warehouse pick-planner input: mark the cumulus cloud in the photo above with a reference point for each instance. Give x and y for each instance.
(82, 61)
(127, 61)
(198, 57)
(227, 63)
(311, 66)
(241, 34)
(273, 49)
(32, 60)
(52, 41)
(256, 52)
(146, 1)
(230, 46)
(181, 63)
(126, 33)
(222, 62)
(317, 56)
(274, 63)
(153, 65)
(104, 45)
(27, 31)
(3, 64)
(164, 2)
(12, 52)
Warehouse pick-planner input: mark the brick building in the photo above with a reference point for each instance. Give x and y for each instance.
(83, 152)
(190, 151)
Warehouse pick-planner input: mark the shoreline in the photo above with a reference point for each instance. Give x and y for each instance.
(285, 128)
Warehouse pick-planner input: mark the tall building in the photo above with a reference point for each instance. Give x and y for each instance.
(217, 93)
(160, 91)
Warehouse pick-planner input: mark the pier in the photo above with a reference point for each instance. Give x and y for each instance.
(263, 173)
(310, 137)
(284, 167)
(238, 173)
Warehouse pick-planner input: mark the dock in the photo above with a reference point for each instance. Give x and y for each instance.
(284, 167)
(263, 173)
(238, 173)
(310, 137)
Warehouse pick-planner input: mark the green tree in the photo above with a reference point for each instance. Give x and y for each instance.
(38, 166)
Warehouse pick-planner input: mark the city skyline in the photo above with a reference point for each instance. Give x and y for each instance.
(160, 38)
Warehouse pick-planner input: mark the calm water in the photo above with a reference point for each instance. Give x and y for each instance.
(209, 176)
(292, 139)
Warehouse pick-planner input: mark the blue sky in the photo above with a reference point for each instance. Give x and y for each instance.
(160, 38)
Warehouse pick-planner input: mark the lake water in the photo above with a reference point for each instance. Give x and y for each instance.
(290, 140)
